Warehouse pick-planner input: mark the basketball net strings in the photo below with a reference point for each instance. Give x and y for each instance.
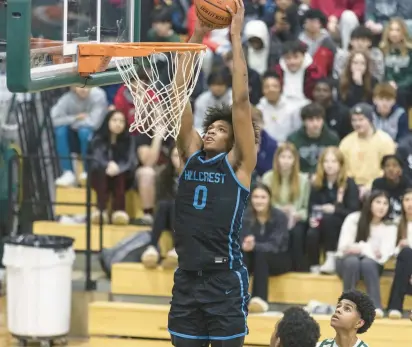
(159, 102)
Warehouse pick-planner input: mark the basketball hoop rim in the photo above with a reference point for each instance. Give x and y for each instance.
(95, 57)
(136, 49)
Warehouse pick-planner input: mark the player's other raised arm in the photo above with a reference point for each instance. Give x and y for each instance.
(243, 153)
(188, 140)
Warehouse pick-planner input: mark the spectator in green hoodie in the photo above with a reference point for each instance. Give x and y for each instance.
(396, 46)
(312, 137)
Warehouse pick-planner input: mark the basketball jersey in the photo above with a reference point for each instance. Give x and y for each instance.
(210, 202)
(332, 343)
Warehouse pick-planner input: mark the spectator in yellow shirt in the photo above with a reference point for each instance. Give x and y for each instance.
(365, 147)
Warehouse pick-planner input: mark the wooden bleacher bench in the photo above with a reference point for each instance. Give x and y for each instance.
(291, 288)
(78, 195)
(150, 321)
(112, 234)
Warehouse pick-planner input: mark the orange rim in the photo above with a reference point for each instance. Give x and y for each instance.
(136, 49)
(95, 57)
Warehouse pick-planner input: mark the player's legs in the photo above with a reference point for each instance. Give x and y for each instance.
(237, 342)
(224, 299)
(186, 319)
(183, 342)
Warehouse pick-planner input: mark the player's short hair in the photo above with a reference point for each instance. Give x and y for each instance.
(364, 306)
(224, 112)
(384, 91)
(270, 74)
(312, 110)
(162, 15)
(326, 80)
(293, 47)
(297, 329)
(362, 32)
(218, 77)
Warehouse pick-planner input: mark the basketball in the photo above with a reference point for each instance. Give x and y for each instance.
(214, 13)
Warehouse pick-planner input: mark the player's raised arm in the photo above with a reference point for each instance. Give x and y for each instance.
(243, 153)
(188, 140)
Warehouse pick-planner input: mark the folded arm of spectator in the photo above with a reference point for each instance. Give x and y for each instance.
(95, 116)
(367, 251)
(60, 112)
(98, 150)
(128, 162)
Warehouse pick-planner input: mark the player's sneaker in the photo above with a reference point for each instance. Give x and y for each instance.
(379, 313)
(315, 269)
(150, 257)
(258, 305)
(96, 217)
(68, 179)
(170, 262)
(120, 218)
(395, 314)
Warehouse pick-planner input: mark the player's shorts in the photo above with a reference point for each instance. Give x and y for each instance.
(209, 305)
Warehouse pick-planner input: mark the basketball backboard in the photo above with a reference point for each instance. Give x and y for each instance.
(42, 39)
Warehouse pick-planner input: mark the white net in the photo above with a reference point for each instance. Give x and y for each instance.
(158, 98)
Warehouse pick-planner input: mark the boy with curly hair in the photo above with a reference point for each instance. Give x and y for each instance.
(354, 315)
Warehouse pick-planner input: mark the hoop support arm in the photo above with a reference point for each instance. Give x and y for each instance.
(93, 58)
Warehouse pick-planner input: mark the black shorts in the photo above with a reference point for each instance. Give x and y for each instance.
(209, 305)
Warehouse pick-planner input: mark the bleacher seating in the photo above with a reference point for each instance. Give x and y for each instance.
(135, 322)
(77, 195)
(150, 321)
(112, 234)
(291, 288)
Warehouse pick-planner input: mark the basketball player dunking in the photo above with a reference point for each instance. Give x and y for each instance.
(210, 293)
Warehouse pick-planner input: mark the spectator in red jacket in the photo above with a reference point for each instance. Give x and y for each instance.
(297, 73)
(343, 16)
(320, 45)
(123, 100)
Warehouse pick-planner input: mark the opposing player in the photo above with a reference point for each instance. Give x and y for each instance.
(296, 329)
(354, 315)
(210, 293)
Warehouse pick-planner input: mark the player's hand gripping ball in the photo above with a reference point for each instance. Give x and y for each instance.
(214, 13)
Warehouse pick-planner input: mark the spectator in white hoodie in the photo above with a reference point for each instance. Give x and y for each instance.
(297, 73)
(257, 46)
(402, 282)
(366, 243)
(280, 117)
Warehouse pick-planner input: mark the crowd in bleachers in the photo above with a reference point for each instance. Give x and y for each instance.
(331, 85)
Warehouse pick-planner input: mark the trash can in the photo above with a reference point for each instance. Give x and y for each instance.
(39, 286)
